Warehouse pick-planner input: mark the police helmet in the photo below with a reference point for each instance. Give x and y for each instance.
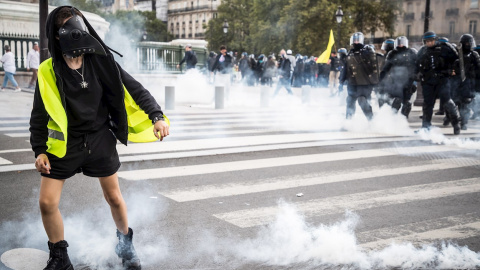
(428, 36)
(357, 38)
(289, 52)
(388, 45)
(442, 39)
(245, 54)
(401, 41)
(468, 42)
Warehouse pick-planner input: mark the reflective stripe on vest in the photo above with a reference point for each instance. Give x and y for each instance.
(140, 127)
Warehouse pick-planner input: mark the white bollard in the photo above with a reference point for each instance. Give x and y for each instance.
(170, 97)
(306, 93)
(264, 96)
(219, 97)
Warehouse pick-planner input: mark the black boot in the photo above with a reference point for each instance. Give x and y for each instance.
(126, 251)
(451, 111)
(58, 257)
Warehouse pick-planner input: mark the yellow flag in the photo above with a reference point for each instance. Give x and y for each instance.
(323, 58)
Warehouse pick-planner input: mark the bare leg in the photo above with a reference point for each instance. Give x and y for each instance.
(113, 196)
(50, 193)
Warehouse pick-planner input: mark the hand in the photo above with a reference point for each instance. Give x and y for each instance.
(178, 66)
(42, 164)
(162, 127)
(28, 69)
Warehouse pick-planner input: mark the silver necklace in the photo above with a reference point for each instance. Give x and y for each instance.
(83, 84)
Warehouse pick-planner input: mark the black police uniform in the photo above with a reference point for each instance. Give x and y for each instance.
(435, 65)
(361, 72)
(463, 92)
(399, 72)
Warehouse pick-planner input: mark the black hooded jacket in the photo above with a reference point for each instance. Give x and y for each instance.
(112, 78)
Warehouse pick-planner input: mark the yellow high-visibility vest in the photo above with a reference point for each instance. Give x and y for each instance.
(140, 127)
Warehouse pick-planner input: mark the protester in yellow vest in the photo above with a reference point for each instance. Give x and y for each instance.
(84, 102)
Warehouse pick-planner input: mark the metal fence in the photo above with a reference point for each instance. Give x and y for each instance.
(152, 57)
(20, 45)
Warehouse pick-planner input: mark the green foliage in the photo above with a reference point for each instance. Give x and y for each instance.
(264, 26)
(133, 24)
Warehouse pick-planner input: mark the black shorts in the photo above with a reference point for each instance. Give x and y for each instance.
(93, 154)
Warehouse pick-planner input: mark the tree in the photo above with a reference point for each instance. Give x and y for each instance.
(264, 26)
(131, 23)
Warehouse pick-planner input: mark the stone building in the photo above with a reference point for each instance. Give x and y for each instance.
(448, 18)
(186, 18)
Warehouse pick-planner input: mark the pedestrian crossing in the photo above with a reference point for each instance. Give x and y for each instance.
(254, 161)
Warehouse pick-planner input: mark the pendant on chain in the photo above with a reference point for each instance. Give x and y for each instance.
(84, 84)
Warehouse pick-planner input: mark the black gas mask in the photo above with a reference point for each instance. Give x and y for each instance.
(76, 40)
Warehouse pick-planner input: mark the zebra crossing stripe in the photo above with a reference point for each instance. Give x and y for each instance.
(247, 149)
(276, 162)
(212, 143)
(232, 189)
(4, 161)
(23, 128)
(18, 135)
(354, 202)
(454, 232)
(18, 167)
(5, 122)
(422, 232)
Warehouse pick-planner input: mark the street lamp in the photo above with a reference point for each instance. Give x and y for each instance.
(225, 29)
(339, 16)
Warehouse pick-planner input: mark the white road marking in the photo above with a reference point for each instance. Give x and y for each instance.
(25, 128)
(233, 189)
(4, 161)
(5, 122)
(276, 162)
(18, 135)
(236, 150)
(356, 201)
(18, 167)
(212, 152)
(15, 150)
(198, 144)
(422, 232)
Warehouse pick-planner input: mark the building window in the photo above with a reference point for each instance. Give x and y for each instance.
(409, 7)
(409, 31)
(474, 4)
(472, 28)
(452, 29)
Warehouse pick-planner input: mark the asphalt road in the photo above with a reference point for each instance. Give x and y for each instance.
(291, 186)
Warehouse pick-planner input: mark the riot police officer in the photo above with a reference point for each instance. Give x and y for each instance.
(400, 66)
(388, 45)
(463, 85)
(361, 72)
(435, 62)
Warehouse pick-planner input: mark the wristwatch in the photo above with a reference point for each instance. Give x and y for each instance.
(158, 118)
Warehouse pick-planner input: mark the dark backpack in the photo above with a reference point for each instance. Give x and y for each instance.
(194, 59)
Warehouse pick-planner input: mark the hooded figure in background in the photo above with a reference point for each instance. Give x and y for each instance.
(84, 102)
